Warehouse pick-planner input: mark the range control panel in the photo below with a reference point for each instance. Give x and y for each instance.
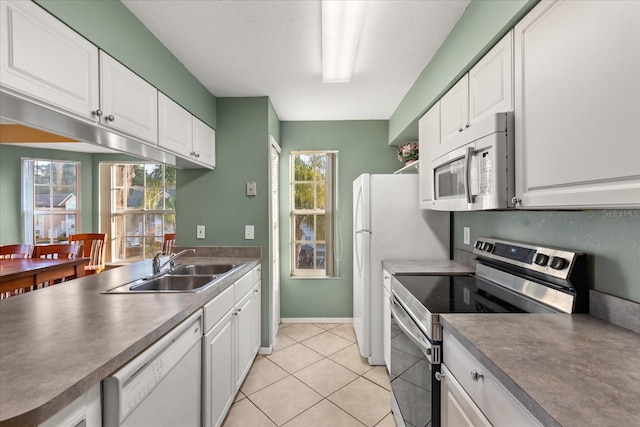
(550, 261)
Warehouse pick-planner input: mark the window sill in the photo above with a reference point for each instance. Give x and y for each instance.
(314, 277)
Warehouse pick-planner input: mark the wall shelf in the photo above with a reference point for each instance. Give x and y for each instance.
(412, 168)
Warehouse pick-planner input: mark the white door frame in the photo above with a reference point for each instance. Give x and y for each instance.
(274, 252)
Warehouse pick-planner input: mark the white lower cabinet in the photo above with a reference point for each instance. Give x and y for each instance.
(84, 411)
(457, 408)
(229, 348)
(256, 310)
(472, 396)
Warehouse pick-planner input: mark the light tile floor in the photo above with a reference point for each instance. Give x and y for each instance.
(314, 378)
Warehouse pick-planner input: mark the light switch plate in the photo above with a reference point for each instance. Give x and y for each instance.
(199, 231)
(467, 235)
(251, 189)
(248, 232)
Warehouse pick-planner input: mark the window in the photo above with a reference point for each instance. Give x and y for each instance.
(142, 201)
(313, 211)
(51, 200)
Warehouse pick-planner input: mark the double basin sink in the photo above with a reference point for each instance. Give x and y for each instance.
(181, 278)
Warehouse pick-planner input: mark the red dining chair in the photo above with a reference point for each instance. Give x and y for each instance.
(58, 251)
(168, 242)
(93, 249)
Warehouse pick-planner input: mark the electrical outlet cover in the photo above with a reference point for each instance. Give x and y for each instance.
(200, 232)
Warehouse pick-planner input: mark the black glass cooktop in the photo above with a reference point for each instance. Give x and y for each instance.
(454, 294)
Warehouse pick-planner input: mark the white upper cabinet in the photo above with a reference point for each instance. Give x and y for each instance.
(454, 114)
(43, 58)
(429, 138)
(577, 105)
(204, 143)
(485, 90)
(128, 102)
(185, 135)
(491, 82)
(175, 131)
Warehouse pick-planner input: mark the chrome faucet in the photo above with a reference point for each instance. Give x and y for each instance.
(157, 267)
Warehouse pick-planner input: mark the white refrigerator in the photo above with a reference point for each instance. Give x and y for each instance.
(388, 225)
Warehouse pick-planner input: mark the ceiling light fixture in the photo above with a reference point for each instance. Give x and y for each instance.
(341, 25)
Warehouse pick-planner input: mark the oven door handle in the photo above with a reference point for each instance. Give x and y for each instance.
(402, 320)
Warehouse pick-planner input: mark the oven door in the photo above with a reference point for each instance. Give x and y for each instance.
(415, 391)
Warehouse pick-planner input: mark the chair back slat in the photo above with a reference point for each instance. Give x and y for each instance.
(15, 251)
(58, 251)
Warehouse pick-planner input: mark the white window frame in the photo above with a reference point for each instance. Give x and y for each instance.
(328, 211)
(29, 208)
(108, 212)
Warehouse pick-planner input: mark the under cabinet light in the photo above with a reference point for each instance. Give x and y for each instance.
(341, 25)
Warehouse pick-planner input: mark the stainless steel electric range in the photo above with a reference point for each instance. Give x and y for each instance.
(510, 277)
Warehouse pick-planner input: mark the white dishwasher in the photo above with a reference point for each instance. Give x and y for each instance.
(162, 386)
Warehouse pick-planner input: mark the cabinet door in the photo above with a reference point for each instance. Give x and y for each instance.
(42, 57)
(386, 326)
(454, 115)
(256, 332)
(129, 103)
(429, 138)
(577, 103)
(175, 127)
(204, 143)
(457, 408)
(218, 372)
(491, 82)
(244, 327)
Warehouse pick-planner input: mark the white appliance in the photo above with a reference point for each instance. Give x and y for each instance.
(478, 172)
(162, 386)
(388, 225)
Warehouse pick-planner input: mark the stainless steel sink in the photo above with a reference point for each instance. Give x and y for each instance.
(182, 278)
(167, 283)
(202, 269)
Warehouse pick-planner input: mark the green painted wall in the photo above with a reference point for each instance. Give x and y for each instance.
(217, 199)
(363, 148)
(113, 28)
(611, 238)
(481, 26)
(11, 228)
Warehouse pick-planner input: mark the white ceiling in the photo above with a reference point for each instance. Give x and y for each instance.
(272, 48)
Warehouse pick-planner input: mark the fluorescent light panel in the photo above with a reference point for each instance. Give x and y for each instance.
(341, 25)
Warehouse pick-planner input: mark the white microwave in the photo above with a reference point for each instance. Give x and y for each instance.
(478, 173)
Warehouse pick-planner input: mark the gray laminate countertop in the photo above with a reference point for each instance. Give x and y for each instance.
(566, 369)
(426, 266)
(58, 342)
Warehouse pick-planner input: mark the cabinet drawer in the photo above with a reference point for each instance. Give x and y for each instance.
(217, 307)
(493, 399)
(243, 285)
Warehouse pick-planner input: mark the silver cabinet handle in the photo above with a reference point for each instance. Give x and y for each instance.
(110, 118)
(460, 130)
(439, 376)
(97, 113)
(475, 375)
(256, 291)
(467, 125)
(193, 153)
(516, 200)
(197, 155)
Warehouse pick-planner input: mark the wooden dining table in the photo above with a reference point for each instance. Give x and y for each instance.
(22, 273)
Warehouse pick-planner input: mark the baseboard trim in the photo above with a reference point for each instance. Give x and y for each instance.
(317, 320)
